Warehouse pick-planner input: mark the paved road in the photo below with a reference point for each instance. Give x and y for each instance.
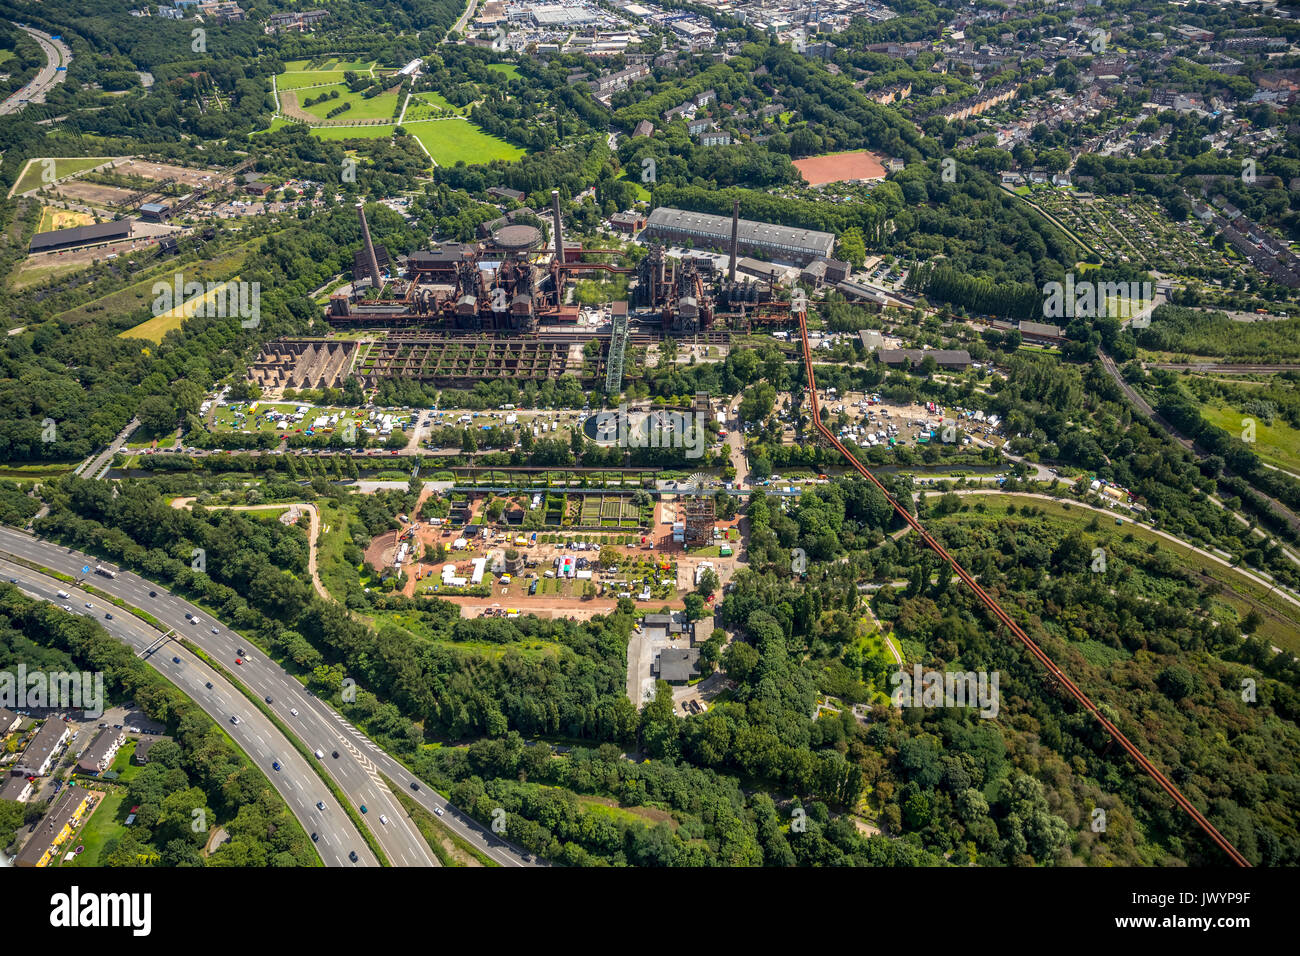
(360, 760)
(736, 443)
(464, 19)
(296, 782)
(57, 55)
(96, 467)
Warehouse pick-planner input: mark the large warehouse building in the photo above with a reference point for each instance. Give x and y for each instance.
(759, 239)
(81, 236)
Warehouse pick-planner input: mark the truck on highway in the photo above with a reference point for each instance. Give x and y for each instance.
(105, 572)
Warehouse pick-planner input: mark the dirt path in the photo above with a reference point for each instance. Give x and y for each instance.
(313, 535)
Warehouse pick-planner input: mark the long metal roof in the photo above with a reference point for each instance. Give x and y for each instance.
(749, 231)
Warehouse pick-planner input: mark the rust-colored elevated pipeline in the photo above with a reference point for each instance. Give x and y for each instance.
(1006, 620)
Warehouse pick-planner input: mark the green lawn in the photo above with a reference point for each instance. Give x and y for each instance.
(449, 141)
(33, 177)
(301, 80)
(327, 64)
(1277, 444)
(123, 765)
(109, 819)
(376, 107)
(276, 123)
(425, 106)
(509, 69)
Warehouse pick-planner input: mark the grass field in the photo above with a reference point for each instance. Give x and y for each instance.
(33, 176)
(52, 219)
(31, 274)
(376, 107)
(1277, 444)
(509, 69)
(426, 105)
(328, 63)
(140, 294)
(298, 81)
(278, 122)
(108, 820)
(155, 328)
(303, 73)
(449, 141)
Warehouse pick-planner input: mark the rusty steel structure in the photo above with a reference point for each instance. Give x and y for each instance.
(1054, 673)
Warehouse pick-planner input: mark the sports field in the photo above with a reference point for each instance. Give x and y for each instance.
(840, 168)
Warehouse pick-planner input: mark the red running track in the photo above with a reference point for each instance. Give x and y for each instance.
(1005, 619)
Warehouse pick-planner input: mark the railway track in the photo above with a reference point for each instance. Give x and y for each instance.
(1009, 623)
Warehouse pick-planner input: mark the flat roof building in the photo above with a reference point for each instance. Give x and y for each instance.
(759, 239)
(946, 358)
(677, 665)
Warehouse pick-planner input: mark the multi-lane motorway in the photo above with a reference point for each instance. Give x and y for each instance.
(254, 734)
(360, 762)
(57, 57)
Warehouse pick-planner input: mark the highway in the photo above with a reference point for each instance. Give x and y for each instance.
(296, 782)
(360, 762)
(57, 55)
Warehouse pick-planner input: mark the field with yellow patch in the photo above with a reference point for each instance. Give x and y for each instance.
(52, 219)
(155, 328)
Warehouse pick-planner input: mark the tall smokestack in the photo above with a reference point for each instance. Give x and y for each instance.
(559, 230)
(370, 246)
(735, 238)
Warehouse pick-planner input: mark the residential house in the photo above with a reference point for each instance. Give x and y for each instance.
(55, 827)
(99, 753)
(41, 752)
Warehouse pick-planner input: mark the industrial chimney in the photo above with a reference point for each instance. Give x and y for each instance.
(735, 236)
(370, 246)
(559, 231)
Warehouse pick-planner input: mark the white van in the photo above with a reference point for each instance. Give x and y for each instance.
(63, 594)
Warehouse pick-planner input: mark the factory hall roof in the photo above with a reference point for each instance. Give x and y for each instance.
(749, 231)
